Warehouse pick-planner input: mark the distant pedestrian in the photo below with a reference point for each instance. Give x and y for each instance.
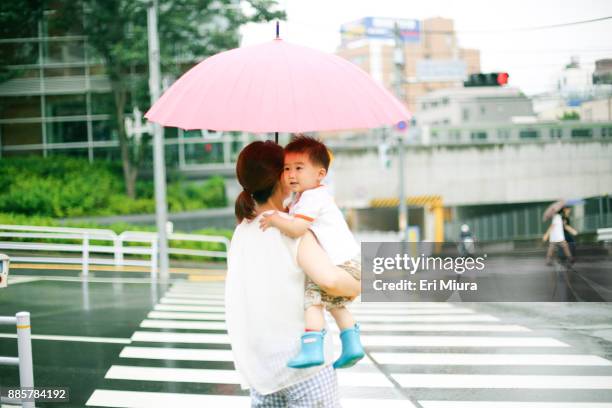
(569, 232)
(556, 238)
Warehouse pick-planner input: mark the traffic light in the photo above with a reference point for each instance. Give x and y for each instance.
(490, 79)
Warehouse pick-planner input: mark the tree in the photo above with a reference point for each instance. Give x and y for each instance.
(189, 30)
(18, 19)
(570, 115)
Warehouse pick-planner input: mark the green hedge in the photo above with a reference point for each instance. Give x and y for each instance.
(69, 187)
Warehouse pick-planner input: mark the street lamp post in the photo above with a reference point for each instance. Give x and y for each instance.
(159, 165)
(399, 62)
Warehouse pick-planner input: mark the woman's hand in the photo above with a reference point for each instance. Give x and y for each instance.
(268, 220)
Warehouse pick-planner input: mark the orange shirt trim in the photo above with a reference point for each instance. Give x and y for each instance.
(303, 217)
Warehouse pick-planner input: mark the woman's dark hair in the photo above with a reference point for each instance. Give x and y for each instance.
(258, 169)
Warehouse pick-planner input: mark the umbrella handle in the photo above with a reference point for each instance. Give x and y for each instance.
(277, 30)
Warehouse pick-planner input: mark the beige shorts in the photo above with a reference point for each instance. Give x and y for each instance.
(314, 295)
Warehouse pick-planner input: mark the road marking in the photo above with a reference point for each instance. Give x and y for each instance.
(167, 353)
(196, 375)
(497, 381)
(459, 341)
(109, 268)
(411, 311)
(83, 339)
(182, 301)
(400, 305)
(428, 318)
(186, 316)
(173, 324)
(182, 308)
(204, 375)
(194, 295)
(443, 327)
(512, 404)
(142, 399)
(490, 359)
(163, 337)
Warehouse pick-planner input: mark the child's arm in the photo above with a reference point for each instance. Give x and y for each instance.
(292, 227)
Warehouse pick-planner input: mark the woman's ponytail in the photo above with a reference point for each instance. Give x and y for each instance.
(245, 207)
(258, 170)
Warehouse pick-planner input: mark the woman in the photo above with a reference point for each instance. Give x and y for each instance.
(556, 237)
(265, 291)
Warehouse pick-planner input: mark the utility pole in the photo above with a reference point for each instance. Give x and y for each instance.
(159, 164)
(399, 61)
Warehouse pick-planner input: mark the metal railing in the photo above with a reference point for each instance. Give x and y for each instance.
(520, 224)
(87, 247)
(24, 355)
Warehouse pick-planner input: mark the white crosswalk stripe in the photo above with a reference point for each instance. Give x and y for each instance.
(413, 348)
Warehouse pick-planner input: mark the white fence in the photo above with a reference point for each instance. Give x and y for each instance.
(24, 355)
(130, 248)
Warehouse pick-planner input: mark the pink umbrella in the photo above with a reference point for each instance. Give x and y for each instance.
(276, 87)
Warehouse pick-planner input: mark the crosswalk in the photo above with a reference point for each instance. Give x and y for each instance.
(421, 355)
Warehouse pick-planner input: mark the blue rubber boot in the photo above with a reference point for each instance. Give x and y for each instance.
(311, 353)
(352, 350)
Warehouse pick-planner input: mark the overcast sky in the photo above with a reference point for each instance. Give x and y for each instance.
(533, 58)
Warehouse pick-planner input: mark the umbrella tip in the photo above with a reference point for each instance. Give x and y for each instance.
(277, 30)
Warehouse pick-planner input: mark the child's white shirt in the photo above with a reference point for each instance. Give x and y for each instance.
(318, 207)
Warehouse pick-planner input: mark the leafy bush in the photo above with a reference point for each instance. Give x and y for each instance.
(69, 187)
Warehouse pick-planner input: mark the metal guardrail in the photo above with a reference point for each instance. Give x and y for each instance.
(24, 355)
(140, 244)
(521, 224)
(604, 234)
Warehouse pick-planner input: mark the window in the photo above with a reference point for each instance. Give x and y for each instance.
(503, 134)
(478, 135)
(104, 130)
(15, 134)
(102, 104)
(556, 133)
(66, 132)
(606, 132)
(529, 134)
(582, 133)
(465, 114)
(65, 105)
(19, 107)
(455, 135)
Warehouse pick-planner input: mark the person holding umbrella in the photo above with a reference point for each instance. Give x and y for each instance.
(265, 291)
(270, 88)
(556, 237)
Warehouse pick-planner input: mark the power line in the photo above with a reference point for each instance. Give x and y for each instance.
(506, 30)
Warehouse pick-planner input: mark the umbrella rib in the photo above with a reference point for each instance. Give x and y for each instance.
(293, 97)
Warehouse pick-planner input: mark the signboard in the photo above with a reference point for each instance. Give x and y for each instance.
(380, 28)
(441, 70)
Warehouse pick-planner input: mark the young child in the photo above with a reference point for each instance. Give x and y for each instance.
(313, 208)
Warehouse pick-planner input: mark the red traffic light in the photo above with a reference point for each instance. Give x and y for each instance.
(502, 78)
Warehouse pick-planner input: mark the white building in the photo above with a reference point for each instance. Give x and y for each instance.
(473, 105)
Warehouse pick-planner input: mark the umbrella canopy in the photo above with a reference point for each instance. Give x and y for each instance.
(558, 205)
(276, 87)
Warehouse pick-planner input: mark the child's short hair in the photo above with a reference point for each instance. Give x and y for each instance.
(316, 150)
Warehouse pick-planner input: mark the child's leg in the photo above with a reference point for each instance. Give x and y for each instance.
(313, 317)
(343, 317)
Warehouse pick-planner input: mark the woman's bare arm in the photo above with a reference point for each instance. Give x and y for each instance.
(316, 264)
